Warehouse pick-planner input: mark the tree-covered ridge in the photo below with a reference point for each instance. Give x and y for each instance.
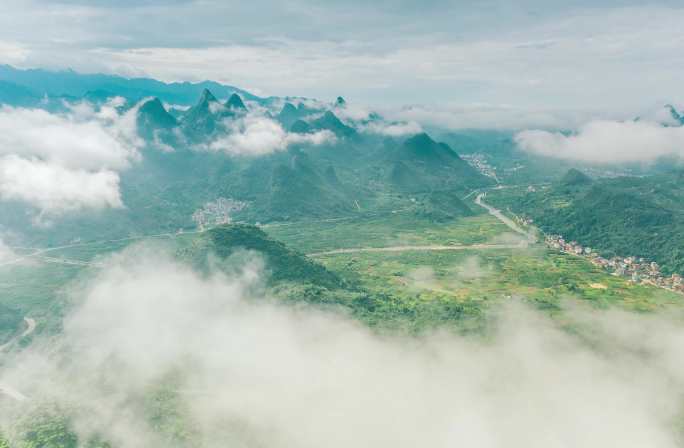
(642, 217)
(283, 263)
(352, 173)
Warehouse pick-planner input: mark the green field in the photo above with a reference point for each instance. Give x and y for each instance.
(391, 230)
(485, 277)
(421, 288)
(476, 278)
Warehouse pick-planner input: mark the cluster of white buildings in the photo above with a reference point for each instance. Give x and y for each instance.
(636, 269)
(216, 213)
(479, 162)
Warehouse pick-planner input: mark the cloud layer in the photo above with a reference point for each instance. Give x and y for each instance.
(254, 373)
(255, 135)
(53, 188)
(607, 142)
(59, 162)
(528, 53)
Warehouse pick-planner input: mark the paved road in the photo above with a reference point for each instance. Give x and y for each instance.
(531, 237)
(39, 252)
(30, 328)
(11, 393)
(6, 389)
(426, 248)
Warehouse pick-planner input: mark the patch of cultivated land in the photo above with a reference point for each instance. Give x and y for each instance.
(471, 276)
(391, 230)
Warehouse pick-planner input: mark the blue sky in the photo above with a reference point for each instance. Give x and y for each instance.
(531, 54)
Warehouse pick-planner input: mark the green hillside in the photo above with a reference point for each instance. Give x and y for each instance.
(642, 217)
(421, 162)
(283, 264)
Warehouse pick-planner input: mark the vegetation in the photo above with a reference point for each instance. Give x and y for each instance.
(642, 217)
(282, 263)
(306, 203)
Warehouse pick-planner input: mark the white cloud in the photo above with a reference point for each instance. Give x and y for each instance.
(393, 129)
(607, 142)
(253, 373)
(84, 138)
(563, 55)
(55, 189)
(70, 161)
(351, 112)
(255, 135)
(12, 52)
(485, 116)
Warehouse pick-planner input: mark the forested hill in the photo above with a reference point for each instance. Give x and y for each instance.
(625, 216)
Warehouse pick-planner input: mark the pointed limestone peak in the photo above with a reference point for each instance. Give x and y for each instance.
(340, 102)
(300, 127)
(155, 114)
(575, 177)
(330, 122)
(235, 102)
(421, 140)
(207, 97)
(674, 113)
(152, 105)
(288, 108)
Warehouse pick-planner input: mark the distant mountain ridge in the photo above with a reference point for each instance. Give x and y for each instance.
(192, 157)
(36, 83)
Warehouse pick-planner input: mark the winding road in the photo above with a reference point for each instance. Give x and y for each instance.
(6, 389)
(38, 252)
(531, 237)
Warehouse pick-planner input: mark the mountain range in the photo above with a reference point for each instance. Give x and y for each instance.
(350, 172)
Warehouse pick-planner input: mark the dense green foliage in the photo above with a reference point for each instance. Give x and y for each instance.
(443, 206)
(641, 217)
(282, 263)
(575, 177)
(353, 174)
(359, 191)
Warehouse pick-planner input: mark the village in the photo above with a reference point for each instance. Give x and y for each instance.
(479, 162)
(637, 270)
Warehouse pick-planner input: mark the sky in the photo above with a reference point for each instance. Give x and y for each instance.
(528, 54)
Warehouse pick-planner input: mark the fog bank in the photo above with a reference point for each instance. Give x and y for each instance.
(250, 372)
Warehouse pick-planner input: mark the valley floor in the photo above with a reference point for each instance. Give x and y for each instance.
(475, 260)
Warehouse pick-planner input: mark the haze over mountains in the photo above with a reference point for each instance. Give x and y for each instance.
(305, 224)
(188, 144)
(380, 234)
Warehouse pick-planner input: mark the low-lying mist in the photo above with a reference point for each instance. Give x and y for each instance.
(246, 371)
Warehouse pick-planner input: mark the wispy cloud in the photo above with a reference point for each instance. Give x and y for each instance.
(607, 142)
(256, 135)
(527, 54)
(60, 162)
(300, 377)
(54, 189)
